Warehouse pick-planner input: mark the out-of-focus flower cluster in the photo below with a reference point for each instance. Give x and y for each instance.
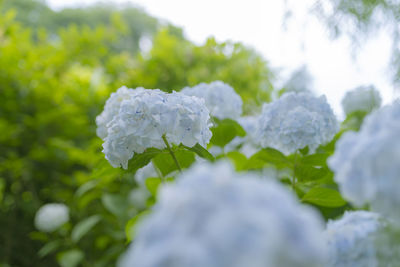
(215, 217)
(351, 240)
(363, 98)
(51, 216)
(367, 163)
(248, 144)
(220, 98)
(296, 120)
(136, 119)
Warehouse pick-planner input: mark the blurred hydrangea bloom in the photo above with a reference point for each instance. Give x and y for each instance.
(367, 163)
(296, 120)
(145, 172)
(299, 81)
(220, 98)
(351, 240)
(144, 116)
(250, 125)
(363, 98)
(51, 216)
(215, 217)
(248, 144)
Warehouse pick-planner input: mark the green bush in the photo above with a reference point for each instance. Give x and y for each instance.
(54, 80)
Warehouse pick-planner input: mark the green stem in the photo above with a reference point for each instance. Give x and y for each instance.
(294, 172)
(172, 153)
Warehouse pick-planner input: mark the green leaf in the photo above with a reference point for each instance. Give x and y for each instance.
(152, 184)
(354, 120)
(70, 258)
(238, 159)
(308, 173)
(114, 203)
(140, 160)
(201, 152)
(130, 227)
(86, 187)
(324, 197)
(225, 131)
(166, 164)
(49, 248)
(83, 227)
(304, 151)
(318, 159)
(269, 156)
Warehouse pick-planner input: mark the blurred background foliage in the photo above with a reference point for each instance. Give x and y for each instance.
(56, 71)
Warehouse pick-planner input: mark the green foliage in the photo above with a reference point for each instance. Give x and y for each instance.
(174, 63)
(140, 160)
(70, 258)
(132, 23)
(83, 227)
(166, 165)
(56, 71)
(224, 131)
(354, 120)
(325, 197)
(201, 152)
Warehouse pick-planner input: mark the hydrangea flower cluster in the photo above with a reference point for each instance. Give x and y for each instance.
(351, 240)
(138, 119)
(363, 98)
(250, 125)
(51, 216)
(215, 217)
(220, 98)
(111, 109)
(249, 142)
(296, 120)
(367, 163)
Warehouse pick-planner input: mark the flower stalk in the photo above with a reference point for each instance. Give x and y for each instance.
(172, 153)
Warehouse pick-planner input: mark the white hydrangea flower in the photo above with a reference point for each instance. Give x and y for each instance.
(367, 163)
(145, 116)
(111, 109)
(51, 216)
(248, 144)
(215, 217)
(351, 240)
(363, 98)
(220, 98)
(296, 120)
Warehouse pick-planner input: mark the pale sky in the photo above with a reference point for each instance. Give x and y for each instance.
(258, 23)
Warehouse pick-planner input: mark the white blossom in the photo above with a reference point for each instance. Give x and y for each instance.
(296, 120)
(220, 98)
(145, 116)
(111, 109)
(363, 98)
(215, 217)
(248, 144)
(51, 216)
(351, 240)
(367, 163)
